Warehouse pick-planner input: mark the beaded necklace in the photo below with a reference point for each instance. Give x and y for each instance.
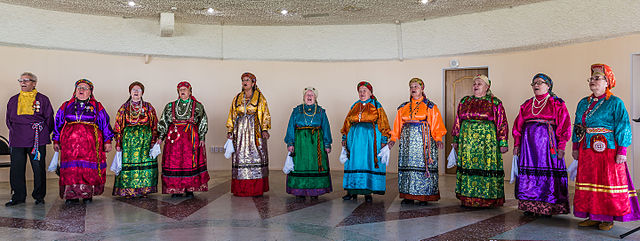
(541, 107)
(308, 123)
(186, 109)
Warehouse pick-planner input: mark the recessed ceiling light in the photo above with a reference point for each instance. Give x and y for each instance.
(131, 3)
(210, 10)
(425, 1)
(284, 12)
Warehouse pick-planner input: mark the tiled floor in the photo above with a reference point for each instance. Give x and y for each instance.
(217, 215)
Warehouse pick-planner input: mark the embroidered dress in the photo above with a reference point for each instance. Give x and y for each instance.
(250, 161)
(136, 132)
(604, 189)
(418, 126)
(542, 185)
(184, 161)
(81, 129)
(480, 129)
(365, 129)
(309, 133)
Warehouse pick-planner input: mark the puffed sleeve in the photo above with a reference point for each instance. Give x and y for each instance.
(563, 120)
(153, 123)
(438, 130)
(232, 115)
(264, 115)
(622, 126)
(58, 123)
(518, 124)
(289, 137)
(326, 130)
(455, 131)
(119, 125)
(383, 125)
(397, 126)
(164, 122)
(102, 120)
(502, 126)
(202, 121)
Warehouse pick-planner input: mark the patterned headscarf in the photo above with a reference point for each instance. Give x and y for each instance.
(547, 80)
(250, 75)
(608, 73)
(138, 84)
(486, 81)
(186, 84)
(417, 80)
(83, 81)
(369, 86)
(314, 90)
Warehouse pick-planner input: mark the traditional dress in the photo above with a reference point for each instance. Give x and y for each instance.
(184, 162)
(418, 126)
(81, 129)
(365, 129)
(136, 132)
(541, 129)
(309, 133)
(604, 189)
(480, 130)
(250, 161)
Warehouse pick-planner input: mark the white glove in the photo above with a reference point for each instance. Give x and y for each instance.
(228, 149)
(514, 169)
(155, 151)
(573, 170)
(288, 164)
(384, 154)
(54, 162)
(116, 165)
(343, 156)
(452, 159)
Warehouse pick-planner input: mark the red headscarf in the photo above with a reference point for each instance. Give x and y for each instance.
(608, 73)
(187, 85)
(369, 86)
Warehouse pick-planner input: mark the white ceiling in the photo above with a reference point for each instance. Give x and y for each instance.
(268, 12)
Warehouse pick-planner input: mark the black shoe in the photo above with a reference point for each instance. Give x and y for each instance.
(349, 197)
(39, 201)
(71, 201)
(423, 203)
(301, 197)
(314, 197)
(368, 198)
(87, 200)
(176, 195)
(12, 203)
(189, 194)
(406, 201)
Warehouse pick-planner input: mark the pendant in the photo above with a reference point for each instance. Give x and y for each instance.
(359, 117)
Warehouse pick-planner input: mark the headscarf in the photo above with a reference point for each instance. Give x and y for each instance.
(83, 81)
(486, 81)
(253, 79)
(186, 84)
(369, 86)
(314, 90)
(416, 80)
(547, 80)
(608, 73)
(138, 84)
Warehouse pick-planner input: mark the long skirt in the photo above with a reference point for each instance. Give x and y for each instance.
(541, 185)
(480, 175)
(184, 162)
(250, 161)
(310, 176)
(361, 176)
(417, 180)
(83, 162)
(604, 189)
(139, 174)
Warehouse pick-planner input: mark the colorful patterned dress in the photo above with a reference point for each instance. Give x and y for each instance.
(418, 126)
(365, 129)
(309, 133)
(81, 129)
(480, 130)
(604, 189)
(541, 184)
(136, 130)
(184, 161)
(250, 161)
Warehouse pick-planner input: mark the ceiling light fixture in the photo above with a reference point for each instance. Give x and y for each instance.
(131, 3)
(210, 10)
(425, 1)
(284, 12)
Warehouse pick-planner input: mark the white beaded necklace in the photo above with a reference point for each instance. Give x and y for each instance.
(541, 107)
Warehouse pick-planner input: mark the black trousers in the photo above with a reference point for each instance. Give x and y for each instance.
(17, 177)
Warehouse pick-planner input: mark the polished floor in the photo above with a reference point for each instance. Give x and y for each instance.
(218, 215)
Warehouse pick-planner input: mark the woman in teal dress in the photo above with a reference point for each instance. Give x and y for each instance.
(364, 133)
(308, 138)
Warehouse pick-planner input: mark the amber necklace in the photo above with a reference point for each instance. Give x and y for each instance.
(308, 123)
(135, 111)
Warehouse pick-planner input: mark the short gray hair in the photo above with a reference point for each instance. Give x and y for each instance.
(33, 77)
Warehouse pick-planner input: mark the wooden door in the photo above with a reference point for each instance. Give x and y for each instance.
(458, 84)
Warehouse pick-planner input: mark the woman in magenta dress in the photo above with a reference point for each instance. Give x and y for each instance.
(82, 135)
(540, 133)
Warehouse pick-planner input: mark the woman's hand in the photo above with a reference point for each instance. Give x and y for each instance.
(575, 154)
(440, 144)
(290, 149)
(107, 147)
(516, 150)
(118, 148)
(203, 144)
(328, 150)
(344, 143)
(504, 149)
(265, 135)
(621, 159)
(391, 144)
(230, 135)
(560, 154)
(56, 147)
(159, 142)
(454, 145)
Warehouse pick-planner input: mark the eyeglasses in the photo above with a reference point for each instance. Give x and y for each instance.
(538, 83)
(82, 88)
(596, 79)
(25, 80)
(136, 90)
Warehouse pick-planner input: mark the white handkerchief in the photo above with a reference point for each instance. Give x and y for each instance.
(452, 159)
(573, 170)
(288, 164)
(514, 169)
(116, 165)
(343, 156)
(228, 149)
(54, 162)
(155, 151)
(383, 156)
